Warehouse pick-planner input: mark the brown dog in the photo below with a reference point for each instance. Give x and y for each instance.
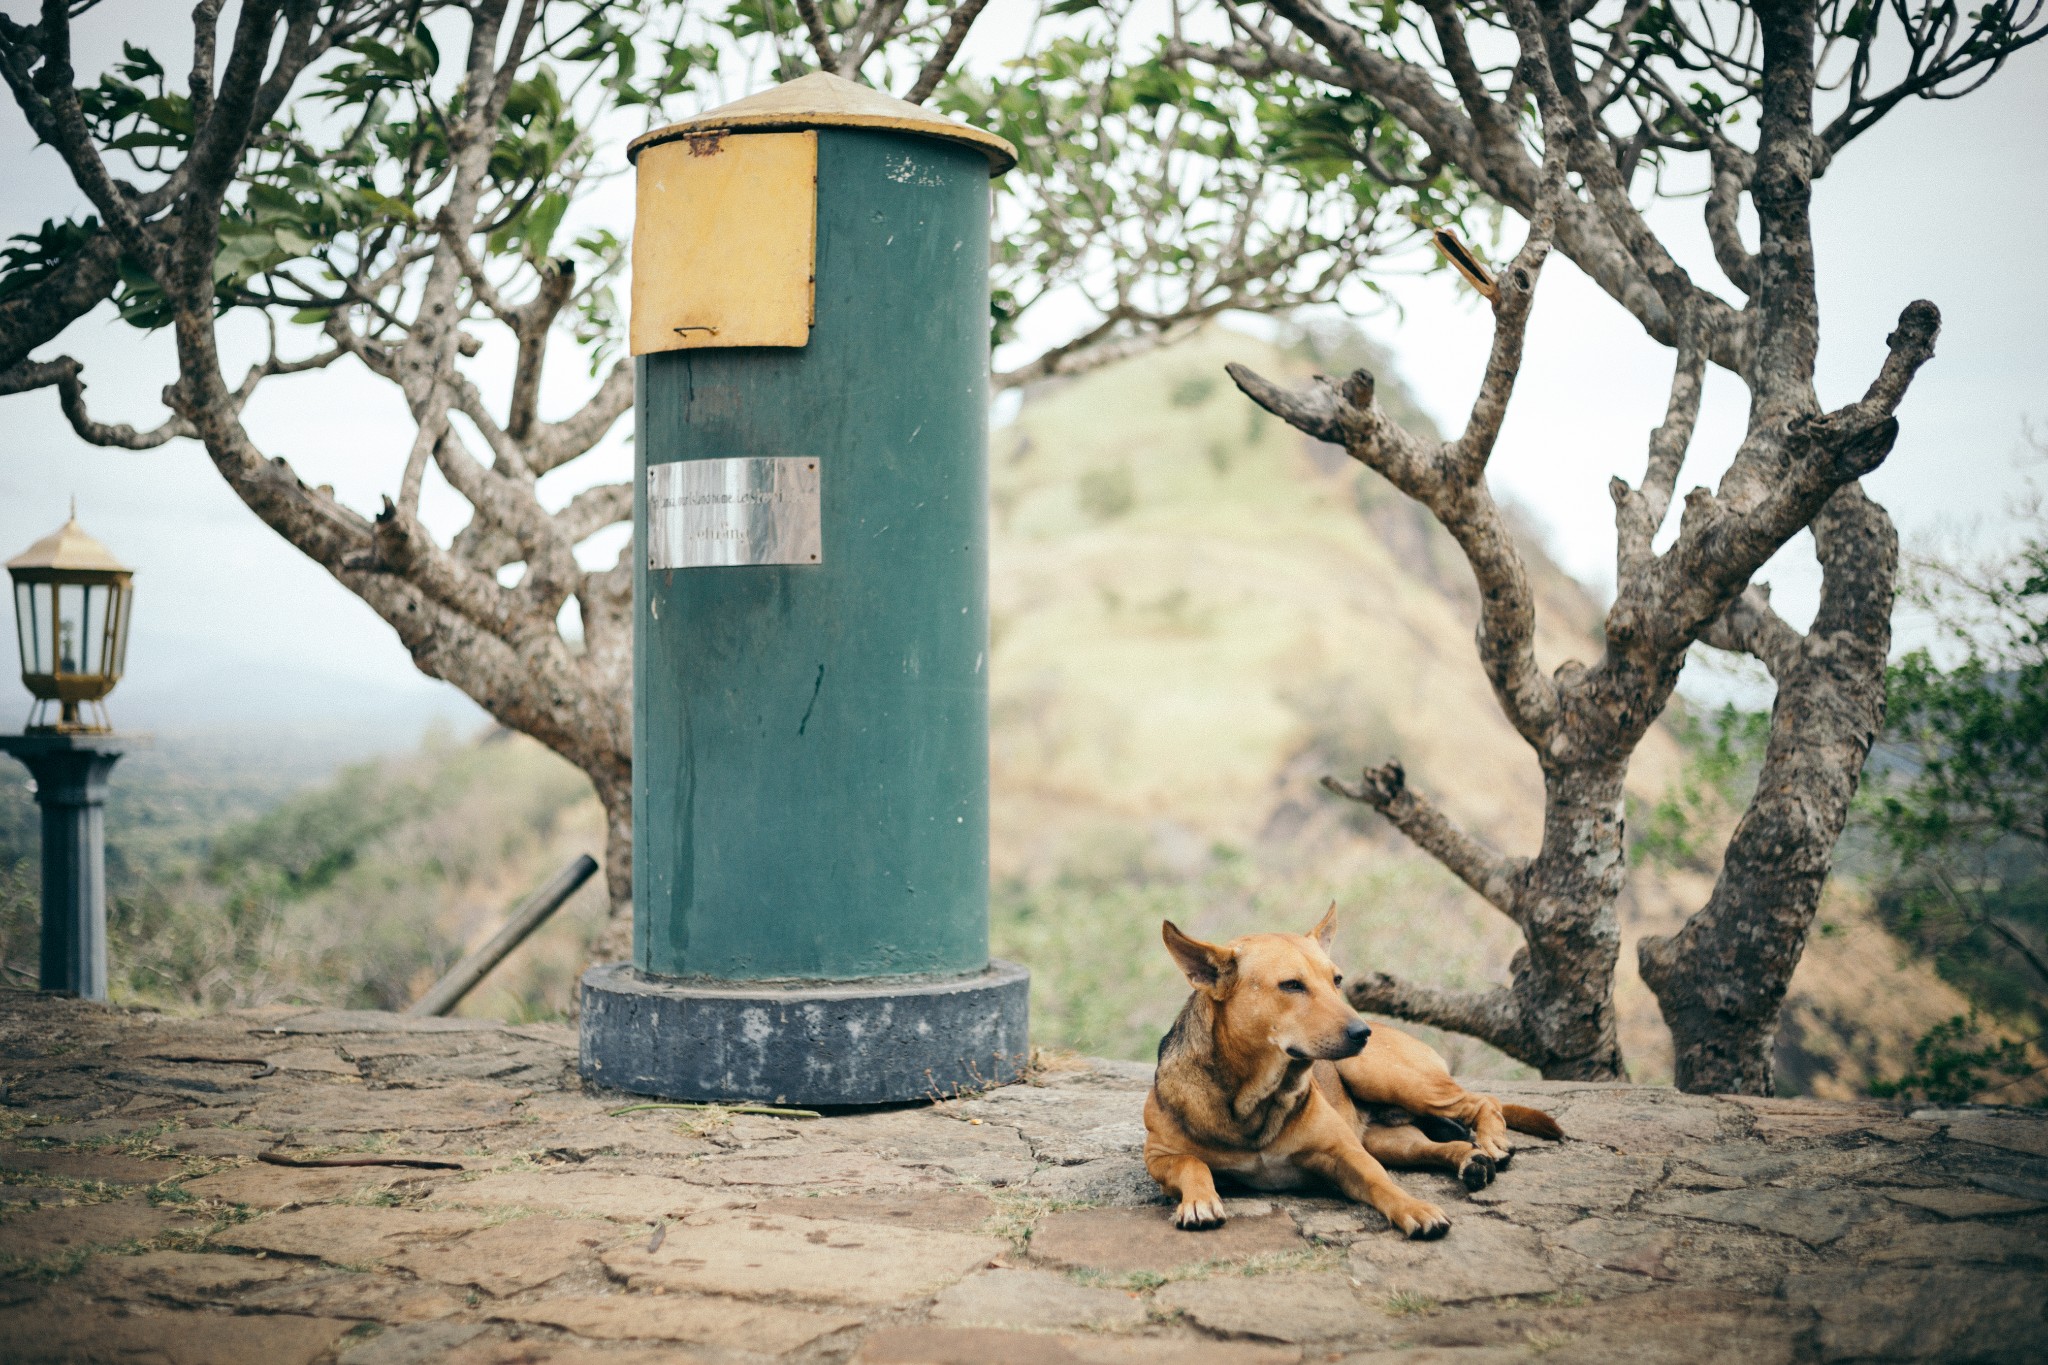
(1263, 1076)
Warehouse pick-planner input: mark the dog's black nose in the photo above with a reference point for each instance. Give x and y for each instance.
(1357, 1031)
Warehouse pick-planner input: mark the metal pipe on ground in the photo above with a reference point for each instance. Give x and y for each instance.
(448, 992)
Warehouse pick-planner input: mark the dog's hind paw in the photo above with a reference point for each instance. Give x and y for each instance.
(1477, 1171)
(1199, 1215)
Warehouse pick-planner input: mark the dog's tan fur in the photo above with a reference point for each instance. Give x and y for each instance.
(1264, 1077)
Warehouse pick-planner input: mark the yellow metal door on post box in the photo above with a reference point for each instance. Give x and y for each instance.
(725, 243)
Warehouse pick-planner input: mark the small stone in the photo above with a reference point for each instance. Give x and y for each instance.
(1815, 1217)
(511, 1257)
(759, 1255)
(1035, 1300)
(284, 1187)
(1479, 1258)
(1294, 1308)
(985, 1346)
(1950, 1203)
(732, 1323)
(1120, 1241)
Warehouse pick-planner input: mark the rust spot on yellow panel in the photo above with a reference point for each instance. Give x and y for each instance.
(724, 242)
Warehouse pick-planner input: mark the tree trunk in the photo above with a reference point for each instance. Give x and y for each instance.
(1563, 980)
(1721, 980)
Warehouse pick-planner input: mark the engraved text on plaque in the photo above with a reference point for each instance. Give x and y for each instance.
(705, 513)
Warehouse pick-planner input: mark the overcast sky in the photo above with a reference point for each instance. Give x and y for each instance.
(1943, 201)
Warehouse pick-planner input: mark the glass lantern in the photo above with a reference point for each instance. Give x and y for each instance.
(71, 601)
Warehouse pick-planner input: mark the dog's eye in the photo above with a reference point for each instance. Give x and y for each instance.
(1293, 987)
(1337, 980)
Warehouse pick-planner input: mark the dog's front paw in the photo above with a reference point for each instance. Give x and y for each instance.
(1422, 1222)
(1198, 1215)
(1477, 1170)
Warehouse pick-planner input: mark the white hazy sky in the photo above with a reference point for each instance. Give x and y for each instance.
(1943, 201)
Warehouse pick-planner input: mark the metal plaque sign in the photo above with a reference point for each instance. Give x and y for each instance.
(708, 513)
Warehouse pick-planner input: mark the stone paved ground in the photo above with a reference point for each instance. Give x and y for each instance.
(1018, 1226)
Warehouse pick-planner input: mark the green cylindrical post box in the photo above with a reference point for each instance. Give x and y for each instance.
(810, 321)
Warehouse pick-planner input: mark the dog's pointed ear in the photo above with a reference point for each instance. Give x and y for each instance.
(1326, 927)
(1205, 965)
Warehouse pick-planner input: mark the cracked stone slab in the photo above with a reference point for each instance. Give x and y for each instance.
(1943, 1314)
(1787, 1117)
(111, 1167)
(1120, 1241)
(2014, 1134)
(1117, 1180)
(40, 1234)
(601, 1194)
(1035, 1300)
(1815, 1217)
(457, 1108)
(510, 1344)
(831, 1171)
(754, 1255)
(1761, 1163)
(732, 1323)
(947, 1210)
(65, 1329)
(1613, 1244)
(1952, 1203)
(1937, 1244)
(372, 1298)
(984, 1346)
(180, 1276)
(1574, 1175)
(1664, 1125)
(344, 1234)
(1479, 1258)
(220, 1142)
(511, 1257)
(284, 1187)
(426, 1343)
(1286, 1308)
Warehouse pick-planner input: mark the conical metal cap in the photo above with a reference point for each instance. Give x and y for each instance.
(68, 549)
(822, 100)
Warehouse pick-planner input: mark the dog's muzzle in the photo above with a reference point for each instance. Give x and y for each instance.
(1350, 1045)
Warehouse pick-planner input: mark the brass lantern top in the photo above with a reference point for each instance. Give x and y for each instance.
(67, 553)
(71, 607)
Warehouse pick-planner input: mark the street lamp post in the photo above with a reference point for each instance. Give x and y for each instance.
(71, 606)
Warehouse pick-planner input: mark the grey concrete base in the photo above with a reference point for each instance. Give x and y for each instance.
(815, 1043)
